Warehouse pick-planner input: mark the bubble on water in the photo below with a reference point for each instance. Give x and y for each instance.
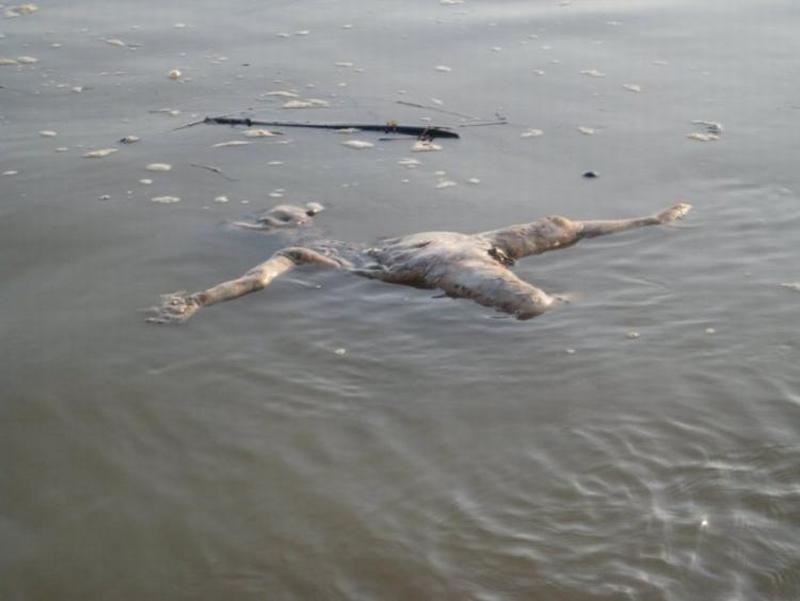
(145, 181)
(443, 68)
(701, 137)
(230, 144)
(440, 173)
(180, 26)
(445, 184)
(308, 103)
(282, 93)
(344, 64)
(62, 149)
(474, 181)
(531, 133)
(632, 87)
(340, 351)
(586, 131)
(593, 73)
(539, 72)
(11, 172)
(20, 10)
(358, 144)
(409, 163)
(710, 331)
(165, 199)
(100, 153)
(570, 351)
(632, 335)
(425, 146)
(275, 163)
(159, 167)
(221, 199)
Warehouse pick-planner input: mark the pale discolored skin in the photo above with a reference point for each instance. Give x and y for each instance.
(474, 266)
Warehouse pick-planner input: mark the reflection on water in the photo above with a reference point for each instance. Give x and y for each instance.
(339, 438)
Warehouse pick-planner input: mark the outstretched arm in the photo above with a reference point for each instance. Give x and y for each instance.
(179, 306)
(590, 229)
(493, 285)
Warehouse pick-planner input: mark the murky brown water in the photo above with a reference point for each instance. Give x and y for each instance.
(446, 454)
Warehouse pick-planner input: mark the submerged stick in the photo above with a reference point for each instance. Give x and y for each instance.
(424, 132)
(213, 169)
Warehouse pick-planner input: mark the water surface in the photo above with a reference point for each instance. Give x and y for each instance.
(446, 452)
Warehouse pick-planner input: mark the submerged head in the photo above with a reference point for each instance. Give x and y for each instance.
(312, 208)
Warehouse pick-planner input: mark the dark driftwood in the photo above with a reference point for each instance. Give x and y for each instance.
(426, 133)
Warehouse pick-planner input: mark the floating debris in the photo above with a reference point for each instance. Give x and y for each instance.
(11, 172)
(451, 2)
(231, 143)
(115, 42)
(570, 351)
(496, 48)
(48, 133)
(710, 331)
(539, 72)
(275, 163)
(159, 167)
(531, 133)
(425, 146)
(310, 103)
(179, 26)
(791, 286)
(660, 63)
(632, 87)
(99, 154)
(586, 131)
(21, 10)
(62, 149)
(27, 60)
(145, 182)
(129, 140)
(259, 133)
(712, 127)
(392, 127)
(174, 75)
(632, 335)
(221, 199)
(302, 32)
(165, 199)
(104, 197)
(590, 174)
(358, 144)
(345, 64)
(593, 73)
(340, 352)
(445, 184)
(76, 89)
(8, 61)
(443, 68)
(474, 181)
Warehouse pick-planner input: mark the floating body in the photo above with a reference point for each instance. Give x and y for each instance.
(473, 266)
